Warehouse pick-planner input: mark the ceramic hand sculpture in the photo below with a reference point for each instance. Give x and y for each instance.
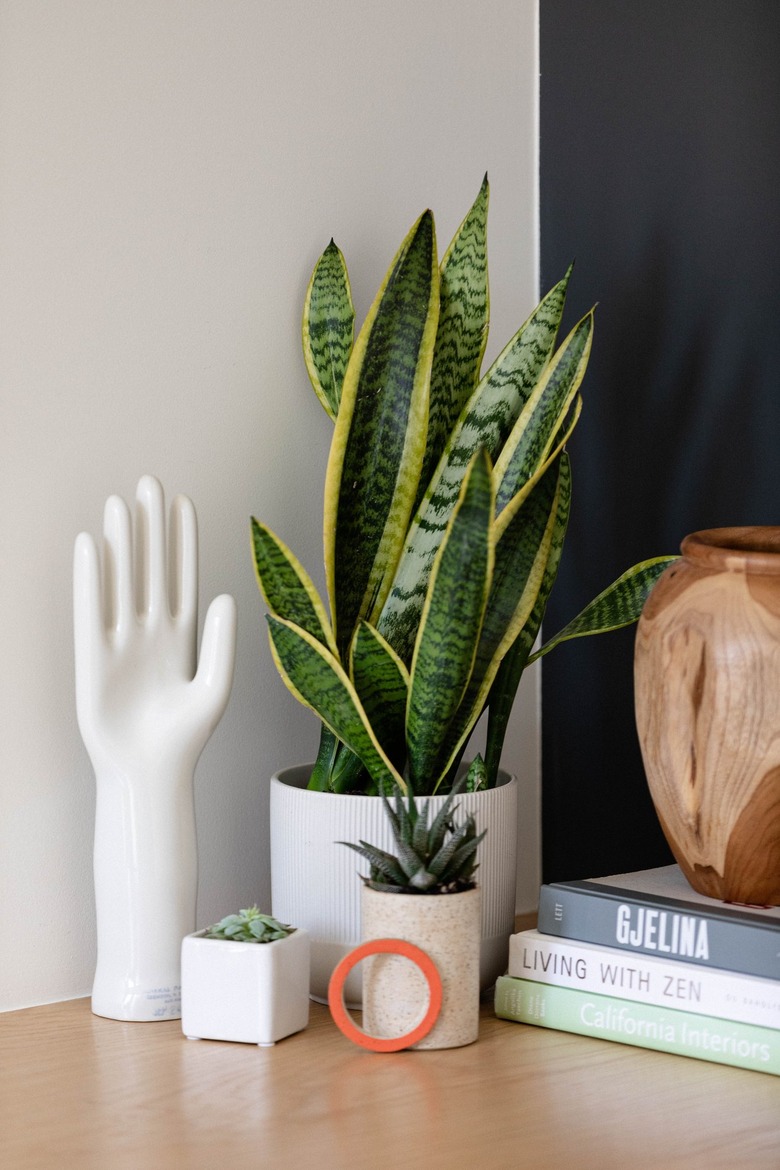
(145, 714)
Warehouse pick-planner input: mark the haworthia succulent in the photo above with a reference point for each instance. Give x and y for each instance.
(485, 422)
(381, 862)
(620, 604)
(507, 678)
(328, 327)
(540, 419)
(379, 438)
(318, 680)
(451, 621)
(521, 560)
(286, 586)
(382, 683)
(462, 332)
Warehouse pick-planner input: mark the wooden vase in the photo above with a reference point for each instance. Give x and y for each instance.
(707, 692)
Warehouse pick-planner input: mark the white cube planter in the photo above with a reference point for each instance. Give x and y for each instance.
(255, 993)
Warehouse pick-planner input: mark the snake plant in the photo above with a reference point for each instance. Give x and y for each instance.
(447, 497)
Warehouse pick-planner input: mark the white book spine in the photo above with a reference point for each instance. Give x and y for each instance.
(602, 970)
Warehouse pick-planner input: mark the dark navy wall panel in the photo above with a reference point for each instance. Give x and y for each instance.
(660, 175)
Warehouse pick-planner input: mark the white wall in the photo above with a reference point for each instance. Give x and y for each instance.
(171, 170)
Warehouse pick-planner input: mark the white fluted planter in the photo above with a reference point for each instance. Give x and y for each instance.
(314, 880)
(395, 993)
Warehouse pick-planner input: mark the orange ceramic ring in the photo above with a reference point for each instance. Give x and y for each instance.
(384, 946)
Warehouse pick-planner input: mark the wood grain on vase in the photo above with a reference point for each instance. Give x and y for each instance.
(707, 692)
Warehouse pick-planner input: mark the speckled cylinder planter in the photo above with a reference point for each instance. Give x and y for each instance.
(395, 994)
(313, 882)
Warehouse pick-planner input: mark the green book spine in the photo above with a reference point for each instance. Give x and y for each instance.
(645, 1025)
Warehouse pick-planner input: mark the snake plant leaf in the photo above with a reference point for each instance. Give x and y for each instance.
(320, 778)
(451, 622)
(565, 431)
(476, 777)
(618, 605)
(328, 327)
(485, 422)
(507, 679)
(521, 556)
(521, 559)
(382, 683)
(463, 329)
(317, 679)
(542, 415)
(379, 438)
(286, 586)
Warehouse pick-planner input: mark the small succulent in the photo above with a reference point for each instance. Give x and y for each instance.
(249, 926)
(440, 859)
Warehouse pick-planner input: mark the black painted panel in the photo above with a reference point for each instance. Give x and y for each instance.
(660, 174)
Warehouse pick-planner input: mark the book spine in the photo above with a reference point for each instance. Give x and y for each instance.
(631, 922)
(643, 1025)
(727, 995)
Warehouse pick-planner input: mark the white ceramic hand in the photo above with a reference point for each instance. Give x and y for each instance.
(145, 714)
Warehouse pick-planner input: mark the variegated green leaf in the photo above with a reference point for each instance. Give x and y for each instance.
(476, 777)
(328, 327)
(286, 586)
(485, 422)
(507, 679)
(319, 780)
(463, 330)
(564, 433)
(451, 621)
(382, 683)
(522, 556)
(318, 680)
(618, 605)
(379, 439)
(542, 415)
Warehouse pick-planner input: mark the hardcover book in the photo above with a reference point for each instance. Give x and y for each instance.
(656, 912)
(643, 1025)
(669, 983)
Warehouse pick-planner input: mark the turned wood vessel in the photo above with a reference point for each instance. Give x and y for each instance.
(707, 691)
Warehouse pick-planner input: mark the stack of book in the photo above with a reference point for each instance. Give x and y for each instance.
(641, 958)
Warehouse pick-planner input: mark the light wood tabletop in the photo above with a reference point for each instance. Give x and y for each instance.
(87, 1093)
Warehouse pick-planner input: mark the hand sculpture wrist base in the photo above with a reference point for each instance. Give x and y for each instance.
(145, 715)
(146, 874)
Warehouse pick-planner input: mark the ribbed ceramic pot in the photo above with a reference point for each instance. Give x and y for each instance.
(395, 993)
(314, 882)
(707, 689)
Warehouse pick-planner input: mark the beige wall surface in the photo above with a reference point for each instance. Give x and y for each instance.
(171, 169)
